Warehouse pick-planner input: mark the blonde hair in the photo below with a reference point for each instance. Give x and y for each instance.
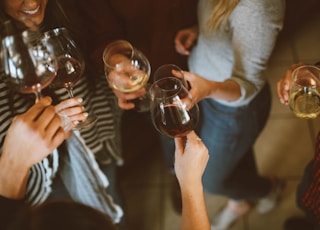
(220, 13)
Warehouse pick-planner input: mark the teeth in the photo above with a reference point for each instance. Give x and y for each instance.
(32, 11)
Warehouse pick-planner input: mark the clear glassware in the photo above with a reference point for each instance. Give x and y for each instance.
(173, 111)
(305, 91)
(71, 64)
(170, 70)
(127, 69)
(28, 65)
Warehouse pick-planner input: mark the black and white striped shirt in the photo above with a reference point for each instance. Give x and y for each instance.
(105, 134)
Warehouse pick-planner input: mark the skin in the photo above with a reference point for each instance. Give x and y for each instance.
(38, 133)
(283, 85)
(28, 13)
(191, 157)
(228, 90)
(41, 124)
(201, 88)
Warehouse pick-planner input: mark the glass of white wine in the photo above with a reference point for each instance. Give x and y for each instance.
(305, 91)
(127, 69)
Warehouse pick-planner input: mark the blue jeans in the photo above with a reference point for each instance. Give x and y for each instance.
(229, 134)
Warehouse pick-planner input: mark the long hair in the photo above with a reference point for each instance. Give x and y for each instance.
(220, 13)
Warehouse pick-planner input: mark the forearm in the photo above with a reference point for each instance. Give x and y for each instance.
(228, 90)
(13, 179)
(194, 213)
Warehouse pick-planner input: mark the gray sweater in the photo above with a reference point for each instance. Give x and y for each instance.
(241, 50)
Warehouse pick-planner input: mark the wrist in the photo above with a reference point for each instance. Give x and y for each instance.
(13, 178)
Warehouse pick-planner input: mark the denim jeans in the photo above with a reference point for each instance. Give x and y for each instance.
(230, 133)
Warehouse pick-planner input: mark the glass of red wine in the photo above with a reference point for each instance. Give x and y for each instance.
(28, 65)
(173, 111)
(71, 64)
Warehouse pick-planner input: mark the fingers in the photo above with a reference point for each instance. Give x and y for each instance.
(124, 104)
(283, 85)
(182, 43)
(38, 108)
(69, 103)
(125, 99)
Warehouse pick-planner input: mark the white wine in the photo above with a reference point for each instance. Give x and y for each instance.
(133, 81)
(305, 102)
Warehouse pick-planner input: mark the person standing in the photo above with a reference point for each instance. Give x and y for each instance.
(228, 53)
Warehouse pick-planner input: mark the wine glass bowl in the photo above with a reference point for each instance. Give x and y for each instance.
(173, 111)
(71, 65)
(70, 61)
(29, 66)
(170, 70)
(126, 68)
(305, 92)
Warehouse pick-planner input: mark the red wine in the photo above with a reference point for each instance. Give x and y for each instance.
(69, 71)
(31, 82)
(175, 121)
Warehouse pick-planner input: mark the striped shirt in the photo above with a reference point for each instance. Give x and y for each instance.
(103, 135)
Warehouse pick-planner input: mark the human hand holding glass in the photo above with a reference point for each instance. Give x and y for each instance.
(127, 69)
(171, 70)
(304, 98)
(71, 65)
(173, 111)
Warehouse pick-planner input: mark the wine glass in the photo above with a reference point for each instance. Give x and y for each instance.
(71, 64)
(28, 65)
(170, 70)
(127, 70)
(305, 91)
(173, 111)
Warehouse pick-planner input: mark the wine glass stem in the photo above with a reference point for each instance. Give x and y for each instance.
(70, 92)
(37, 92)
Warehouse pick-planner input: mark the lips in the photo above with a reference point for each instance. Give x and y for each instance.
(32, 12)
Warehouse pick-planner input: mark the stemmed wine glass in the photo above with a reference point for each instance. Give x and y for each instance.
(170, 70)
(127, 70)
(173, 111)
(28, 65)
(71, 64)
(305, 91)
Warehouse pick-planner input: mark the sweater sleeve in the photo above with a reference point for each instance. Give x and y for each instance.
(255, 26)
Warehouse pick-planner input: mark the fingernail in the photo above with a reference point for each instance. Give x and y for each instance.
(80, 100)
(86, 114)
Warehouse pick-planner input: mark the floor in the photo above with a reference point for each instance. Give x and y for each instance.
(283, 149)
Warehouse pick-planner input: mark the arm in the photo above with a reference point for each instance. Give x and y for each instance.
(253, 28)
(228, 90)
(191, 157)
(31, 137)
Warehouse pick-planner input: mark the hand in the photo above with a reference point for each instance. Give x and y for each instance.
(283, 85)
(185, 39)
(73, 110)
(191, 157)
(32, 136)
(199, 87)
(124, 98)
